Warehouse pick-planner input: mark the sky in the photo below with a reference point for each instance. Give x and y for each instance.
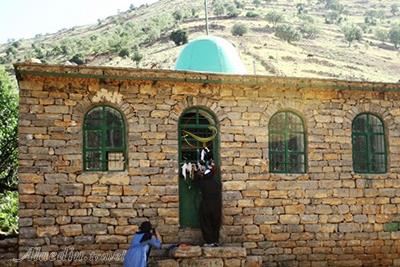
(26, 18)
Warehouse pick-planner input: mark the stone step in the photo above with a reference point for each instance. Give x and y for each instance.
(196, 256)
(250, 261)
(208, 252)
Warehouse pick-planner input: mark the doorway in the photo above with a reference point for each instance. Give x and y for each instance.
(197, 129)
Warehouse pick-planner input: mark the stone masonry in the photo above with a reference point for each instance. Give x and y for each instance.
(328, 216)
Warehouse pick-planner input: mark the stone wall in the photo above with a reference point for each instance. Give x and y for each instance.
(8, 251)
(327, 216)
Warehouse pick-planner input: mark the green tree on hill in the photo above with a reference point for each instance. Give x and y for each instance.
(137, 57)
(352, 33)
(301, 8)
(333, 17)
(257, 2)
(16, 44)
(334, 5)
(124, 52)
(287, 33)
(308, 30)
(274, 17)
(381, 35)
(394, 9)
(251, 14)
(78, 59)
(11, 51)
(179, 37)
(218, 8)
(239, 4)
(394, 35)
(178, 16)
(239, 29)
(371, 16)
(232, 11)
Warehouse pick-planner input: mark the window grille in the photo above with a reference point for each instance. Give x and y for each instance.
(287, 143)
(104, 140)
(369, 144)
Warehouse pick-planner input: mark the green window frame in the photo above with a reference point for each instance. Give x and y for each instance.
(196, 120)
(104, 145)
(287, 143)
(369, 144)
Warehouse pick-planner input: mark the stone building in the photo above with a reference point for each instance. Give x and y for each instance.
(310, 167)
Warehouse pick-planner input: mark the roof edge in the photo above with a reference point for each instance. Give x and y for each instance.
(124, 73)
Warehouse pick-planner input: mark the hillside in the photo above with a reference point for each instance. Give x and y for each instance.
(142, 33)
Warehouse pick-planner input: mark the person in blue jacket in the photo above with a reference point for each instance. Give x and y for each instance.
(142, 242)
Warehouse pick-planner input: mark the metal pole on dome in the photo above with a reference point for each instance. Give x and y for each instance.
(206, 11)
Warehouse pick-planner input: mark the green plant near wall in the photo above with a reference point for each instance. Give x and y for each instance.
(9, 213)
(8, 133)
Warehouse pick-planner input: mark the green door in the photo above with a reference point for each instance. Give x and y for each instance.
(201, 123)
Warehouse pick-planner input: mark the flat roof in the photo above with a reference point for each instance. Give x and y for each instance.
(135, 74)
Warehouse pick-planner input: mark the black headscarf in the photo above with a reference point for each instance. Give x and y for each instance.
(146, 229)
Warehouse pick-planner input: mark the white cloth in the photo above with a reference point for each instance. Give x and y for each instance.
(184, 170)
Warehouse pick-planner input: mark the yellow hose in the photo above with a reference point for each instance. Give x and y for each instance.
(203, 140)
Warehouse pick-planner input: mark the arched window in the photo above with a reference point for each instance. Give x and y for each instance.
(104, 140)
(194, 123)
(287, 143)
(369, 144)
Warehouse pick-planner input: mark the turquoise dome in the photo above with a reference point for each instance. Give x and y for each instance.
(210, 54)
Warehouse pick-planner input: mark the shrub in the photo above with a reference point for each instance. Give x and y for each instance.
(251, 14)
(239, 29)
(309, 31)
(256, 2)
(137, 57)
(116, 44)
(381, 35)
(394, 35)
(16, 44)
(153, 33)
(78, 59)
(66, 49)
(11, 51)
(239, 4)
(274, 17)
(307, 18)
(333, 17)
(287, 33)
(352, 33)
(218, 8)
(179, 37)
(8, 132)
(3, 60)
(124, 52)
(394, 9)
(334, 5)
(39, 53)
(370, 17)
(178, 15)
(301, 8)
(9, 213)
(232, 11)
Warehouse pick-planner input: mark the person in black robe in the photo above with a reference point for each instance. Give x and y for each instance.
(211, 204)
